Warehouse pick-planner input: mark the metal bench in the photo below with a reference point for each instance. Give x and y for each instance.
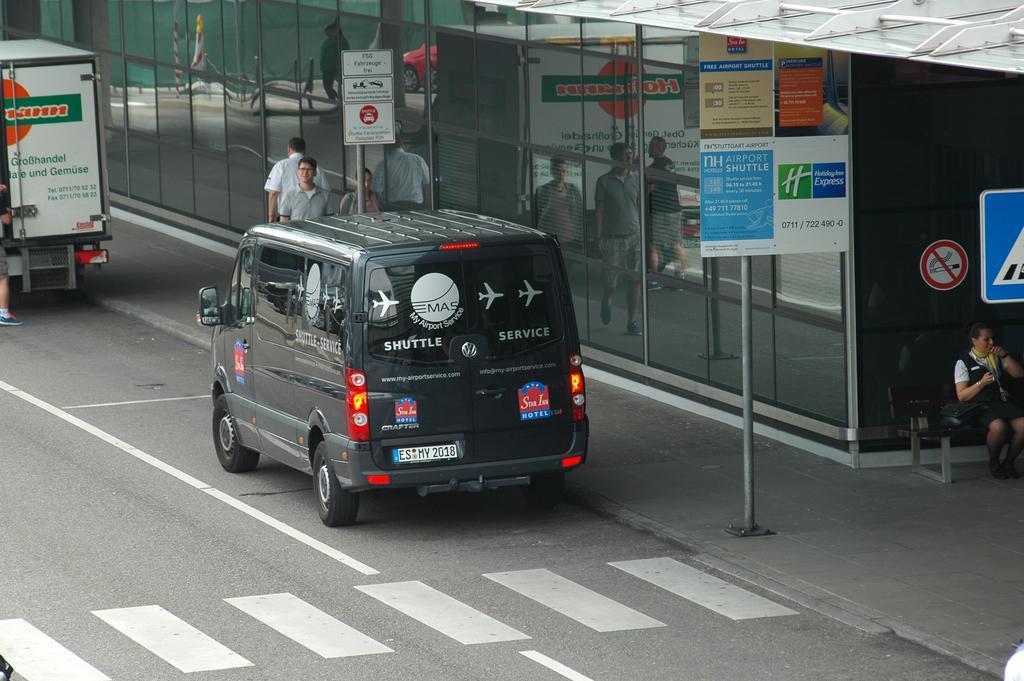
(919, 403)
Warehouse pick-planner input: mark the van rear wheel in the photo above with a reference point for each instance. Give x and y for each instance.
(545, 490)
(233, 457)
(335, 506)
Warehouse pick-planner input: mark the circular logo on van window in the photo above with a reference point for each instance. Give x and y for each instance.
(435, 301)
(313, 292)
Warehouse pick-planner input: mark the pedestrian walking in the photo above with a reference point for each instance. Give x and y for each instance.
(559, 206)
(617, 216)
(666, 228)
(7, 317)
(306, 201)
(402, 178)
(330, 58)
(285, 175)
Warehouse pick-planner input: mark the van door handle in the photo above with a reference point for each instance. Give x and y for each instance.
(491, 392)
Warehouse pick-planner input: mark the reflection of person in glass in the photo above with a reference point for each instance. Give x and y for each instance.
(560, 206)
(980, 375)
(617, 216)
(666, 213)
(330, 58)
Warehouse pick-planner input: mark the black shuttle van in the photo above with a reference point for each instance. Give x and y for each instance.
(429, 349)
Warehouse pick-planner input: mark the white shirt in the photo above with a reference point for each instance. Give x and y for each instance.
(961, 372)
(285, 175)
(404, 177)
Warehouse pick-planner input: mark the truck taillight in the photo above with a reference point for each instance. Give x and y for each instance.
(92, 256)
(577, 388)
(357, 405)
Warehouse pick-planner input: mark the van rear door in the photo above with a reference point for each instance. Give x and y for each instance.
(520, 391)
(419, 396)
(467, 348)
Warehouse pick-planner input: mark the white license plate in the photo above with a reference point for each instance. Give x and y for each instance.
(425, 453)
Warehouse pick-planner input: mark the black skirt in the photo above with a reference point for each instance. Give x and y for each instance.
(999, 410)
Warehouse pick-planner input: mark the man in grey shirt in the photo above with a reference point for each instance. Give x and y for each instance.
(617, 214)
(307, 200)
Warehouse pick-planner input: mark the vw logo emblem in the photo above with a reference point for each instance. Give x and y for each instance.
(469, 350)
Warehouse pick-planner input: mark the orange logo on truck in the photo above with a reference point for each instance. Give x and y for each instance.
(22, 111)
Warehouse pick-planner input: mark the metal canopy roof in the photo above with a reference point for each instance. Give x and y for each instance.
(982, 34)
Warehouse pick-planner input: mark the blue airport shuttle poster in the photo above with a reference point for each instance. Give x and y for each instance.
(737, 198)
(1002, 246)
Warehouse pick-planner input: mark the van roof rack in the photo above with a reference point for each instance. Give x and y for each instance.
(412, 228)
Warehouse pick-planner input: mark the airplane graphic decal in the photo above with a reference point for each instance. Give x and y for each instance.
(530, 292)
(490, 295)
(384, 304)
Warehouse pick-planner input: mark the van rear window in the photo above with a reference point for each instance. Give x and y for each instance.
(511, 296)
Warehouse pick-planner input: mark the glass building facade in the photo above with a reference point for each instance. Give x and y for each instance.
(524, 117)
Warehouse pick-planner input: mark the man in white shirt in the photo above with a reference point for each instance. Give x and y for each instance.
(285, 175)
(403, 179)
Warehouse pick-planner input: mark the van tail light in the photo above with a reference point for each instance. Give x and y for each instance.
(572, 461)
(577, 388)
(357, 405)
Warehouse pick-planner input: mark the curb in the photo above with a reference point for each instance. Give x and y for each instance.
(169, 326)
(793, 589)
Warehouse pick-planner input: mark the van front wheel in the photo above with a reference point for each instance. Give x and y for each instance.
(334, 505)
(233, 457)
(545, 490)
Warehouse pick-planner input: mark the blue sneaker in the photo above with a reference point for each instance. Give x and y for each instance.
(653, 285)
(633, 328)
(9, 320)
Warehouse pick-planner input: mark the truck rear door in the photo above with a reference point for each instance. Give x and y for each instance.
(53, 150)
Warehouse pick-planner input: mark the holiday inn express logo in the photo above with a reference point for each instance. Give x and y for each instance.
(811, 181)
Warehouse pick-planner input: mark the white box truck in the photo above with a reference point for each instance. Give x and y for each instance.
(53, 163)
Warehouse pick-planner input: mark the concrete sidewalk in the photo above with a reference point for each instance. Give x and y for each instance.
(881, 549)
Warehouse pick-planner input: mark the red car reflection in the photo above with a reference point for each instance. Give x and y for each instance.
(414, 70)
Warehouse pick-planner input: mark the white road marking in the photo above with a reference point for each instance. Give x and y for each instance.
(703, 589)
(120, 404)
(37, 657)
(308, 626)
(587, 607)
(192, 482)
(554, 665)
(442, 612)
(173, 640)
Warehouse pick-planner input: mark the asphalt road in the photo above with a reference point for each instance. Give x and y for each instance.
(114, 514)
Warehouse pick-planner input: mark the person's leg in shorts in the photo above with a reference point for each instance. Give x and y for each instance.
(6, 318)
(631, 261)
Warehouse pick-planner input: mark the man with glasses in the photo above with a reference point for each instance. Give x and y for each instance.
(306, 201)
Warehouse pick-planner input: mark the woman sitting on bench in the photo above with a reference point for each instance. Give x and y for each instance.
(977, 376)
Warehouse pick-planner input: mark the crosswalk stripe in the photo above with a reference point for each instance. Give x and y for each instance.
(587, 607)
(443, 613)
(703, 589)
(308, 626)
(554, 665)
(37, 657)
(172, 639)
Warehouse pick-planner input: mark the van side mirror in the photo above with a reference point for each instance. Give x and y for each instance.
(209, 307)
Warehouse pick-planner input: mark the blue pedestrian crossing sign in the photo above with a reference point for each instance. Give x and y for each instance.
(1002, 246)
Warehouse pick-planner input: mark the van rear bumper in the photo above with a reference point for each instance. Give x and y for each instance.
(353, 465)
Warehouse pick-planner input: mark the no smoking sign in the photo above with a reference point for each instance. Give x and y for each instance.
(944, 265)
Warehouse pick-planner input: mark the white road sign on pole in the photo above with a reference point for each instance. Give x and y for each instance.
(368, 89)
(369, 123)
(366, 63)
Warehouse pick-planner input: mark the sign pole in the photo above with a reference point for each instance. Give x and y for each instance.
(750, 528)
(360, 179)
